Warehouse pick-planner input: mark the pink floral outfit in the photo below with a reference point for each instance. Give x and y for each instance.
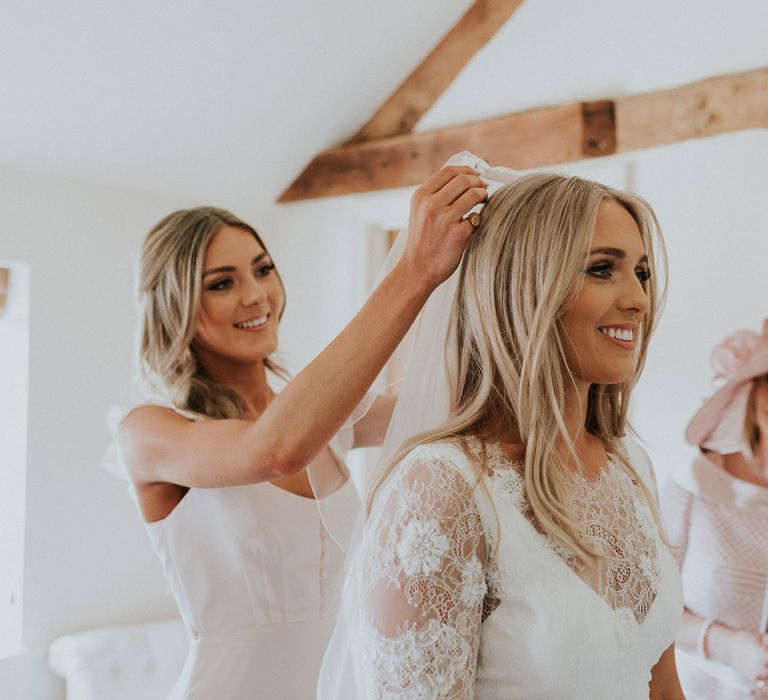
(718, 526)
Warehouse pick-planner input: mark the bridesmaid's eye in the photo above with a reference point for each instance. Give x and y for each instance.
(264, 270)
(220, 285)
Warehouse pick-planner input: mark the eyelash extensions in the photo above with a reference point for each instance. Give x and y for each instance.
(261, 271)
(603, 270)
(268, 267)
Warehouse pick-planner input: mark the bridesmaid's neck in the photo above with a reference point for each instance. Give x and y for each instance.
(248, 380)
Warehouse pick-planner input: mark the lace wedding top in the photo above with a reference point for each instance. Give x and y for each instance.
(453, 593)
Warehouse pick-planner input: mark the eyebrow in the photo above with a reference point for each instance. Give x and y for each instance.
(230, 268)
(615, 253)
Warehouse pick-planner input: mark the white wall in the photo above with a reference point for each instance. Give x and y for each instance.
(79, 242)
(14, 373)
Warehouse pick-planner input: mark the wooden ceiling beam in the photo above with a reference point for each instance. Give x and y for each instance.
(547, 136)
(709, 107)
(420, 90)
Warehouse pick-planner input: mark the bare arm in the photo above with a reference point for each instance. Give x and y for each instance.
(664, 682)
(160, 446)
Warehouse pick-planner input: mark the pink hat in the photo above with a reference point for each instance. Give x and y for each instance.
(719, 424)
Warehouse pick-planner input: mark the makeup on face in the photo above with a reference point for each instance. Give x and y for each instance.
(240, 301)
(602, 324)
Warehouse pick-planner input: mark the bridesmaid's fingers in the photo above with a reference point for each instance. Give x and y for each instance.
(456, 187)
(443, 176)
(471, 198)
(464, 230)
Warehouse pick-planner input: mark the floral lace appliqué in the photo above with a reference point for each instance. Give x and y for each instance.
(422, 662)
(422, 547)
(473, 585)
(614, 521)
(424, 581)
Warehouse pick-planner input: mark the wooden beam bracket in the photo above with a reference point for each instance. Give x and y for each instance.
(598, 121)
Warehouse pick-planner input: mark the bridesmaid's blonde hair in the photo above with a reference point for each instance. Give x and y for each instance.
(170, 285)
(524, 263)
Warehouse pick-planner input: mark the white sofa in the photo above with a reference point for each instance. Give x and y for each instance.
(140, 662)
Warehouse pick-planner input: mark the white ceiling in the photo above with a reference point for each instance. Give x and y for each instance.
(227, 101)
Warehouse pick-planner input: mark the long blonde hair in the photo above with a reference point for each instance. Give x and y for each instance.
(505, 348)
(169, 287)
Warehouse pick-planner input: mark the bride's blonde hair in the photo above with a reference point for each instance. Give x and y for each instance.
(506, 347)
(169, 287)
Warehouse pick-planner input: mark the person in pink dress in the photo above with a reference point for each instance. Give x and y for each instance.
(716, 513)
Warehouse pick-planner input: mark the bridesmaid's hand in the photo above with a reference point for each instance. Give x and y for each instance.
(437, 229)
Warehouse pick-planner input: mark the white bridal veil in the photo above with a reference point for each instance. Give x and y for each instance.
(423, 403)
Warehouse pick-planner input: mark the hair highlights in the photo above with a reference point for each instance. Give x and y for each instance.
(506, 348)
(169, 287)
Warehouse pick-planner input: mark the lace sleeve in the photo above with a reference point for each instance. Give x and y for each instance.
(424, 573)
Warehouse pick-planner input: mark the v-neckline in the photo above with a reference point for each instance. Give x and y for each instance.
(549, 545)
(590, 592)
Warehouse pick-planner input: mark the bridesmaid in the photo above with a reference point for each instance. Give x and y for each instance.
(218, 460)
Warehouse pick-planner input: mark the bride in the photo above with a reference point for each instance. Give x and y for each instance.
(512, 548)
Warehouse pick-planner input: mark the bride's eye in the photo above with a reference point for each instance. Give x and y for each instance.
(601, 270)
(643, 274)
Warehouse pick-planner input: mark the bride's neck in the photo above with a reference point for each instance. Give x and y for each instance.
(589, 449)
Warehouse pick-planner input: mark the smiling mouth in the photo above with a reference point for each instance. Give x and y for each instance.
(621, 336)
(252, 323)
(625, 334)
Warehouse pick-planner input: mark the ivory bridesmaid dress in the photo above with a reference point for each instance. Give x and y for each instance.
(257, 579)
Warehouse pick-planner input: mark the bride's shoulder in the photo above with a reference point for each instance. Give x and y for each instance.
(436, 478)
(447, 456)
(451, 449)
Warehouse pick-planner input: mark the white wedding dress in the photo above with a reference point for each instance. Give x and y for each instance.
(453, 593)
